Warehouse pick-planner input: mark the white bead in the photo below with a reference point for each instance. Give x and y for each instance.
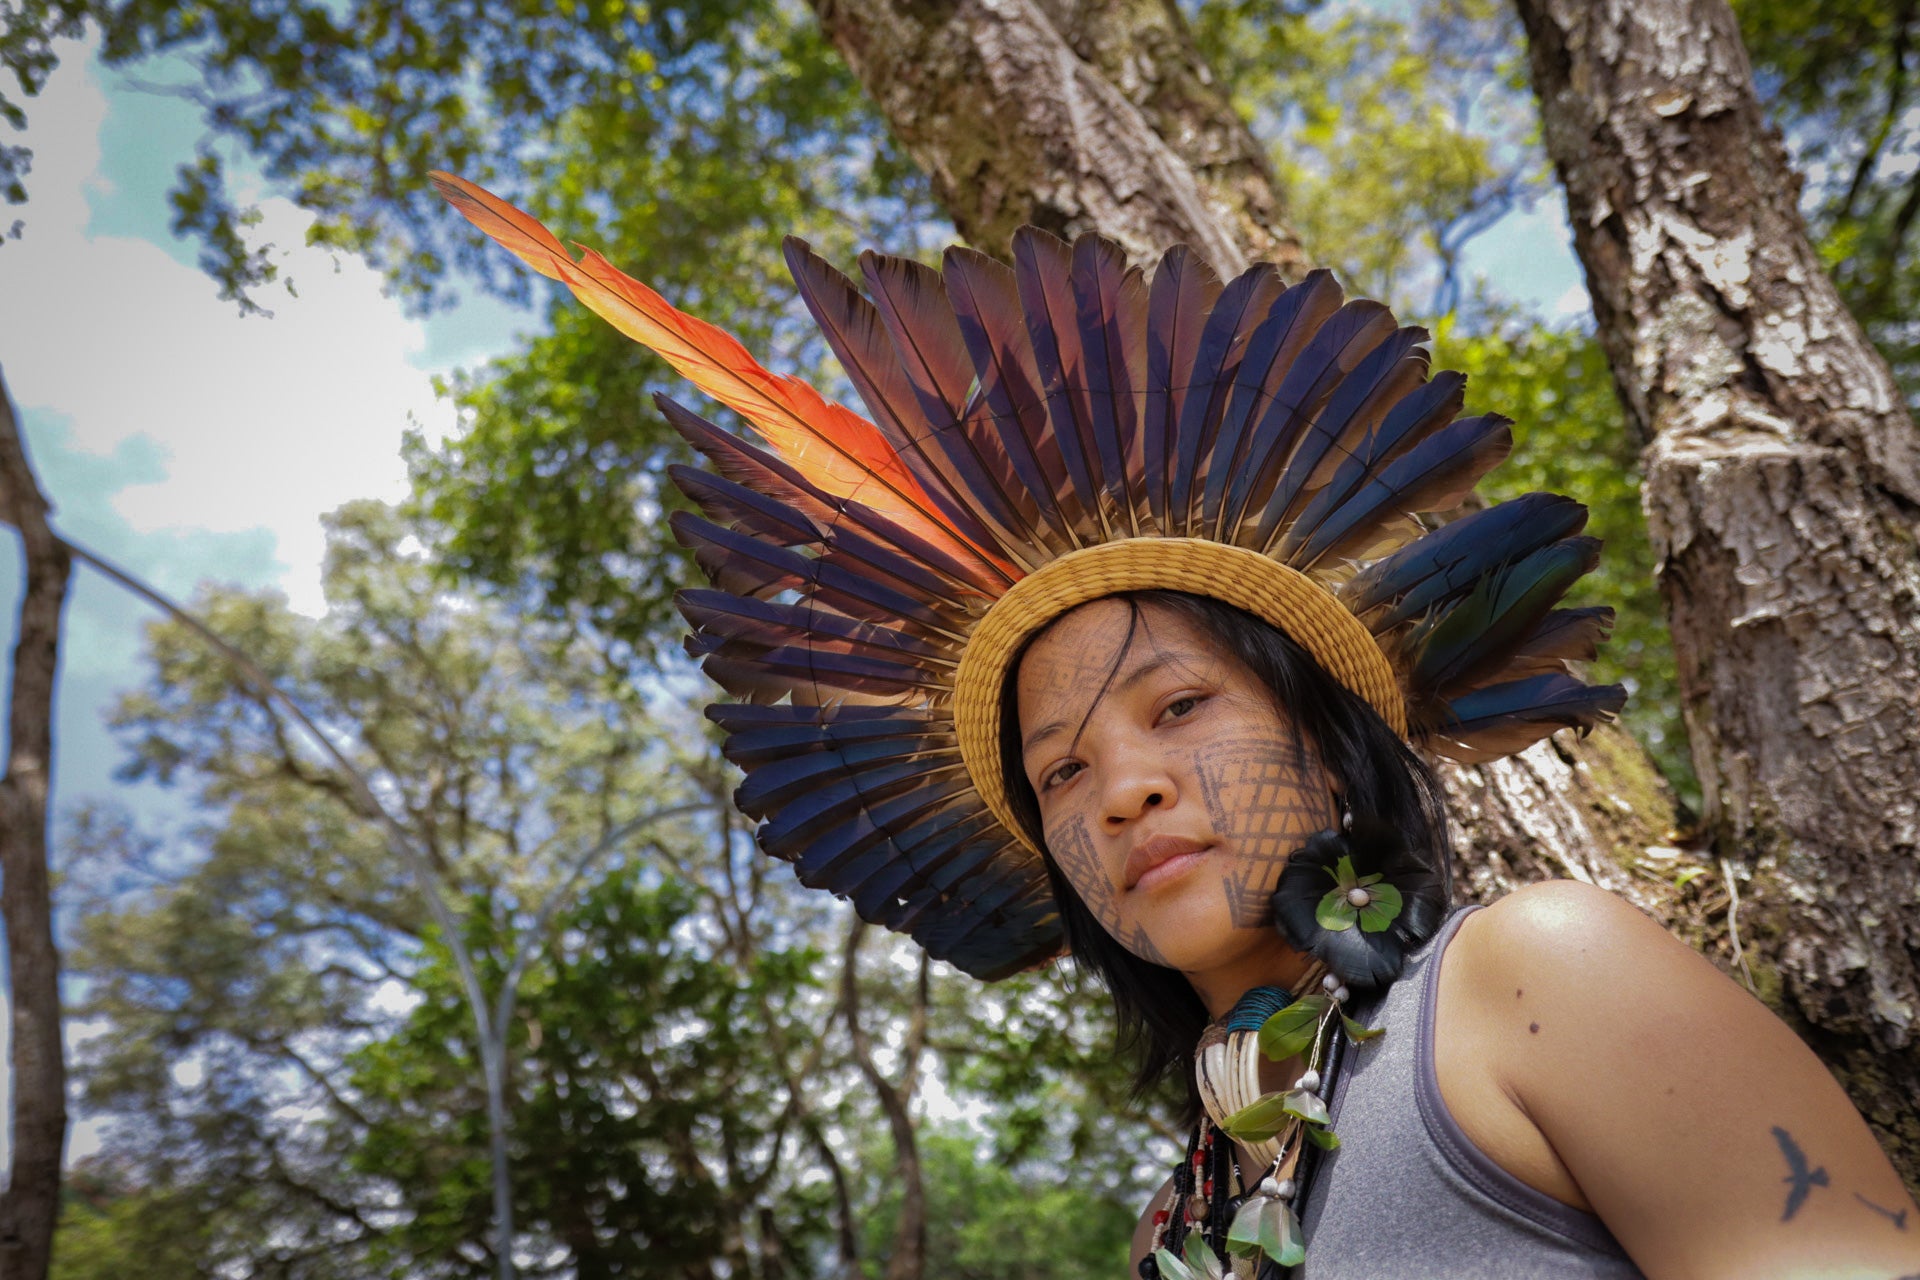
(1329, 983)
(1341, 995)
(1358, 897)
(1271, 1188)
(1285, 1191)
(1310, 1081)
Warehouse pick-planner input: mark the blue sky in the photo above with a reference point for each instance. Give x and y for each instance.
(190, 444)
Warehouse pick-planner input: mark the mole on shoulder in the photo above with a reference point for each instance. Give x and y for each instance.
(1534, 1028)
(1516, 993)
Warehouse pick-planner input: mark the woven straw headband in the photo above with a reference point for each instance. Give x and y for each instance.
(1245, 579)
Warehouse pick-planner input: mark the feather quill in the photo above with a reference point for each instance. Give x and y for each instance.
(1297, 318)
(763, 472)
(1333, 353)
(1416, 416)
(1043, 272)
(1391, 372)
(1504, 718)
(913, 304)
(1110, 300)
(1448, 561)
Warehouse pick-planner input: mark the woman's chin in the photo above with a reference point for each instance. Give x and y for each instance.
(1201, 935)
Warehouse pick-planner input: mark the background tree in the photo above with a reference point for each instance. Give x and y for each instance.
(1783, 493)
(36, 1056)
(1840, 77)
(283, 1044)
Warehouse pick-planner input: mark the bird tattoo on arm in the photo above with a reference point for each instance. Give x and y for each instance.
(1800, 1179)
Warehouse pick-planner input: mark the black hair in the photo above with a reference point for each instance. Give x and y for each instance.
(1160, 1017)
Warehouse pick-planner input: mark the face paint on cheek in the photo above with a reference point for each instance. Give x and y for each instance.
(1071, 844)
(1265, 798)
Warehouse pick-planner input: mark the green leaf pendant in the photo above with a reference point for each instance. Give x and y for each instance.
(1267, 1225)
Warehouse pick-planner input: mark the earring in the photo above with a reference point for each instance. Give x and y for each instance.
(1357, 899)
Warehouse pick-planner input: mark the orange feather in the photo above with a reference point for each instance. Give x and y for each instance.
(829, 444)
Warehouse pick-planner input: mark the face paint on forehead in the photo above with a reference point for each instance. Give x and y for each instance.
(1075, 663)
(1266, 795)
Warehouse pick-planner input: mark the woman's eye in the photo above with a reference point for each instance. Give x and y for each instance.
(1060, 774)
(1181, 706)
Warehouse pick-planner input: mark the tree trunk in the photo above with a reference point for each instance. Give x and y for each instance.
(1783, 495)
(1101, 115)
(909, 1260)
(997, 100)
(32, 1198)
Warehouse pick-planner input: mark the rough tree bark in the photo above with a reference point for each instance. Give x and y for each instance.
(31, 1200)
(1783, 494)
(1073, 117)
(1102, 115)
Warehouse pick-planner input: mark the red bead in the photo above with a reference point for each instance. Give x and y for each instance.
(1159, 1217)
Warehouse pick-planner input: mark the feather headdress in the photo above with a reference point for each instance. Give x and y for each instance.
(1043, 435)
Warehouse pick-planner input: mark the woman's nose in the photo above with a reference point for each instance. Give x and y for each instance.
(1138, 787)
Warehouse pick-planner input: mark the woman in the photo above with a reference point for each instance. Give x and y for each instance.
(1609, 1103)
(1111, 631)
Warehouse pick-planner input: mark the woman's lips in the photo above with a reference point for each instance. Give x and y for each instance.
(1159, 859)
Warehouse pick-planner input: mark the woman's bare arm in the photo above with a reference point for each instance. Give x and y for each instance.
(1703, 1132)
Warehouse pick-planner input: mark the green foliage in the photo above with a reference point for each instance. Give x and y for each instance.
(111, 1228)
(1840, 77)
(651, 1108)
(988, 1220)
(282, 1051)
(1398, 138)
(1570, 436)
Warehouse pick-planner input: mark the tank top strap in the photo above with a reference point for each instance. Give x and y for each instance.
(1407, 1195)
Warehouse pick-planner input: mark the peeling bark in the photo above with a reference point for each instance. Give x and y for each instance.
(1783, 496)
(1073, 116)
(31, 1200)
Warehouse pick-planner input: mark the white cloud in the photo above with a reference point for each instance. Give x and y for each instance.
(261, 423)
(1573, 304)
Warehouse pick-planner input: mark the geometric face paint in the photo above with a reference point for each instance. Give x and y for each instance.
(1171, 789)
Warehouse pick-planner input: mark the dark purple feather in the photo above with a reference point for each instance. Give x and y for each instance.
(1043, 270)
(1110, 300)
(1296, 318)
(1184, 292)
(986, 306)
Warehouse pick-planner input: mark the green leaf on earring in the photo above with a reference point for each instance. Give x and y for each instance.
(1324, 1138)
(1380, 913)
(1334, 913)
(1291, 1031)
(1281, 1237)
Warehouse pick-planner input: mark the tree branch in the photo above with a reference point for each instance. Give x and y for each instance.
(39, 1122)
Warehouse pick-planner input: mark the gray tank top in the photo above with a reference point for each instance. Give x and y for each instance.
(1408, 1196)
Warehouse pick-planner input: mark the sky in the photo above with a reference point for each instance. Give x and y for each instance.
(174, 436)
(190, 444)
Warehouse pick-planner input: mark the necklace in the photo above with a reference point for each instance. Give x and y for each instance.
(1215, 1227)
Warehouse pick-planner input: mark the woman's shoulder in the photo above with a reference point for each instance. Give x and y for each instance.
(1564, 936)
(1682, 1110)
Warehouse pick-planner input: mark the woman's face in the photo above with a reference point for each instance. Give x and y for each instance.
(1171, 789)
